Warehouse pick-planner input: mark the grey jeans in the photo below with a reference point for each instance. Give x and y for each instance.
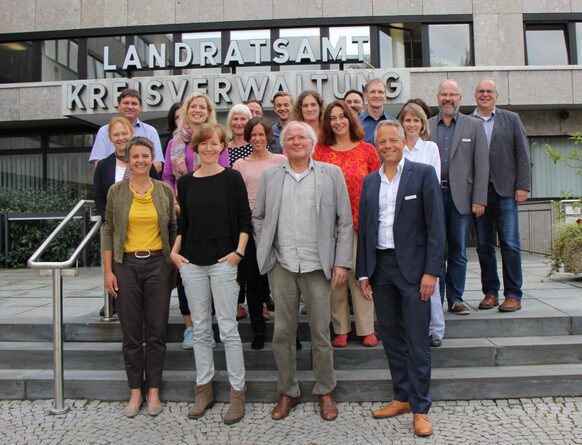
(216, 282)
(315, 289)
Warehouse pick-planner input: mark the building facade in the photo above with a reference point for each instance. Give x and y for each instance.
(63, 62)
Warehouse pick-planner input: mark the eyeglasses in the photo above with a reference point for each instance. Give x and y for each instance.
(299, 138)
(491, 92)
(445, 95)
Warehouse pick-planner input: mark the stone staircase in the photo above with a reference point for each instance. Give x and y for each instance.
(533, 352)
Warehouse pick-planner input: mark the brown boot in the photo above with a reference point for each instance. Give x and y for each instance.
(236, 409)
(204, 400)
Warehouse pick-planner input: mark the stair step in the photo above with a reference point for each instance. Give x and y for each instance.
(457, 352)
(353, 385)
(477, 325)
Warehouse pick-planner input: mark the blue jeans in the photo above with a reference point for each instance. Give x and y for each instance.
(499, 218)
(457, 227)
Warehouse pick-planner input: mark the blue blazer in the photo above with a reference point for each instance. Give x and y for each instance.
(419, 224)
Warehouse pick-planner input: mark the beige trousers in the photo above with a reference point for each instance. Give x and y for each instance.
(340, 309)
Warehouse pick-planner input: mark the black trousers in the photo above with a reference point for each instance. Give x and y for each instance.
(403, 321)
(257, 287)
(143, 305)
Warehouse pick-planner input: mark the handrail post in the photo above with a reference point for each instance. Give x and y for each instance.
(59, 401)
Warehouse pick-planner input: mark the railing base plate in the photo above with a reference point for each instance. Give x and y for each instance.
(57, 412)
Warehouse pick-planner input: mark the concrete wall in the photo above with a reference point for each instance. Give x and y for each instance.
(499, 17)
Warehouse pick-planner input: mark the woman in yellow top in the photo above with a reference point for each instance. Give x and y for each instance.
(139, 229)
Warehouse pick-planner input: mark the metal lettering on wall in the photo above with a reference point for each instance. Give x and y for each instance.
(183, 54)
(94, 97)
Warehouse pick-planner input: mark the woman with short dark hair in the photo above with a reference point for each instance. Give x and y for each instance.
(215, 224)
(259, 132)
(139, 229)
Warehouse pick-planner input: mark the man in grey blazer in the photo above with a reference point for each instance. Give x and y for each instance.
(303, 231)
(464, 179)
(509, 184)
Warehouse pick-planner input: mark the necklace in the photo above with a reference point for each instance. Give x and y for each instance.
(140, 189)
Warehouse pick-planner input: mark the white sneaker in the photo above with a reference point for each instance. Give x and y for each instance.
(188, 342)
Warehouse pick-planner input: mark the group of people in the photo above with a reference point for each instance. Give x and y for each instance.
(327, 203)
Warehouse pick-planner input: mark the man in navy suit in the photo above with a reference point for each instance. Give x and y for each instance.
(509, 184)
(401, 243)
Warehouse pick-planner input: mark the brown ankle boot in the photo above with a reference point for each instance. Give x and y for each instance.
(204, 400)
(236, 409)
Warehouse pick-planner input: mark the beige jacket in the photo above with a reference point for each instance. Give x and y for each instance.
(119, 200)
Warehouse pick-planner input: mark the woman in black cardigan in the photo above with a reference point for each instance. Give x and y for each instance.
(113, 168)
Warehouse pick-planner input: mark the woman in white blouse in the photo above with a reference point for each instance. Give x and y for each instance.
(418, 149)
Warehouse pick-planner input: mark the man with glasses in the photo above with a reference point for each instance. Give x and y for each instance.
(509, 185)
(464, 180)
(302, 224)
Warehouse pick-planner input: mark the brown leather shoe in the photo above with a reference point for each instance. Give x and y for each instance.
(422, 425)
(283, 406)
(394, 408)
(511, 304)
(489, 302)
(327, 407)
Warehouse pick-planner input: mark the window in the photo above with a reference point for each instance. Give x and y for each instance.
(546, 44)
(450, 45)
(400, 45)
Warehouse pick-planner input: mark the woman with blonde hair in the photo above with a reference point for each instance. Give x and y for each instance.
(419, 149)
(196, 110)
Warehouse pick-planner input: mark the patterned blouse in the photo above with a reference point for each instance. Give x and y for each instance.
(355, 164)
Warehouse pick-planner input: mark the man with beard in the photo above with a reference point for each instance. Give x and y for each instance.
(464, 181)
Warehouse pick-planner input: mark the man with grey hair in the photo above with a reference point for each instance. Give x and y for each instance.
(464, 181)
(509, 184)
(303, 231)
(401, 243)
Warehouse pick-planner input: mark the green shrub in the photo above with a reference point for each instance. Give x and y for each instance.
(27, 236)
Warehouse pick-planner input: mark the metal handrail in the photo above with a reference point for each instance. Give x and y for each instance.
(59, 398)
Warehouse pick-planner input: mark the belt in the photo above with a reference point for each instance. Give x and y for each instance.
(145, 253)
(387, 251)
(444, 183)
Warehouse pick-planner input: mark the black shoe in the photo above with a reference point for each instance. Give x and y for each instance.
(435, 341)
(298, 345)
(258, 342)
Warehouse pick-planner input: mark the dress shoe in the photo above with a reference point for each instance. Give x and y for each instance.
(511, 304)
(394, 408)
(241, 312)
(266, 313)
(153, 410)
(370, 341)
(327, 407)
(459, 308)
(258, 342)
(298, 345)
(422, 425)
(131, 411)
(340, 341)
(435, 341)
(489, 302)
(283, 406)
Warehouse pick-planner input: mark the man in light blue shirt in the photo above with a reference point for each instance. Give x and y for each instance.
(129, 106)
(375, 95)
